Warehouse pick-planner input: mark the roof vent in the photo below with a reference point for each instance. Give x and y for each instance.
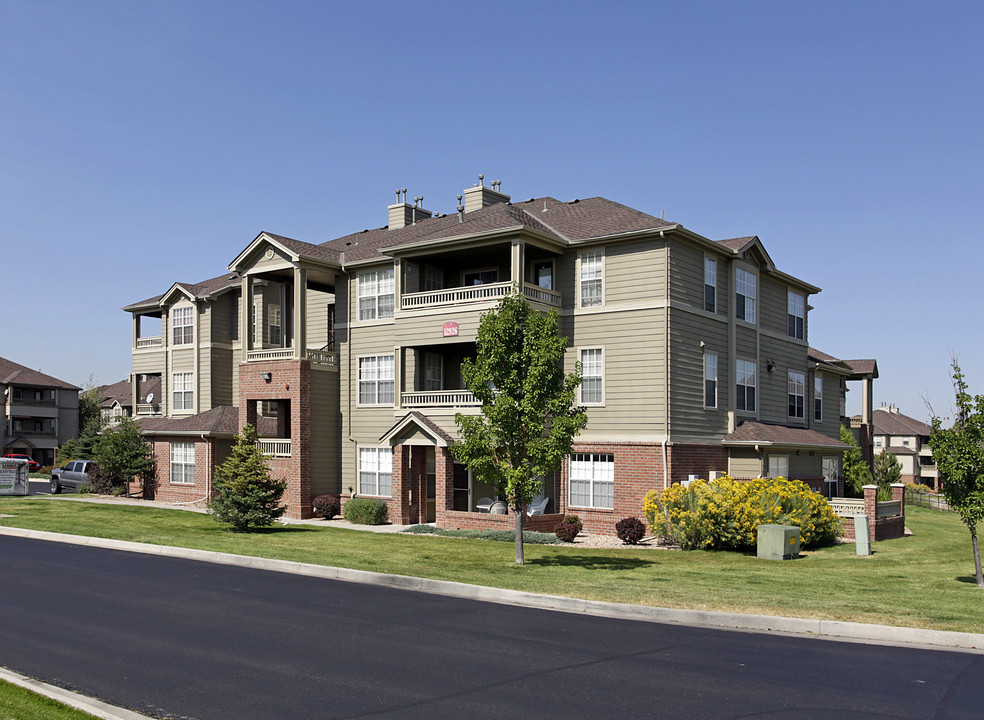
(480, 196)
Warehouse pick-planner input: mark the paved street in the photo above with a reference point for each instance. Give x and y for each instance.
(187, 639)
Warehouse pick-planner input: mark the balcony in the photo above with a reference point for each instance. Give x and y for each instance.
(275, 447)
(150, 343)
(455, 296)
(318, 357)
(148, 409)
(439, 399)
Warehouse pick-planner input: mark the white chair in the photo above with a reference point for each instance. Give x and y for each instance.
(537, 507)
(499, 507)
(484, 504)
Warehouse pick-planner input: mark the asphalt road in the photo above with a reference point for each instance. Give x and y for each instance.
(186, 639)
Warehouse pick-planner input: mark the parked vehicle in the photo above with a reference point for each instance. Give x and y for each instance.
(32, 464)
(71, 475)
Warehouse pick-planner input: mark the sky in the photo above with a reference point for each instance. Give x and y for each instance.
(147, 143)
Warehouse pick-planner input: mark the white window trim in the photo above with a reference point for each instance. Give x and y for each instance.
(359, 296)
(817, 396)
(791, 385)
(553, 272)
(580, 389)
(777, 456)
(580, 300)
(187, 390)
(790, 294)
(378, 451)
(183, 463)
(714, 406)
(274, 314)
(592, 480)
(184, 311)
(754, 298)
(359, 381)
(753, 385)
(706, 284)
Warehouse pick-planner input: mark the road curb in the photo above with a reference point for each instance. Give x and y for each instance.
(95, 707)
(805, 627)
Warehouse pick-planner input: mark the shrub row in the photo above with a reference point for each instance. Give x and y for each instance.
(725, 513)
(529, 536)
(366, 511)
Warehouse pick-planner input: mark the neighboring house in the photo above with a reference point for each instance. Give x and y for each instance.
(117, 400)
(40, 412)
(347, 355)
(908, 440)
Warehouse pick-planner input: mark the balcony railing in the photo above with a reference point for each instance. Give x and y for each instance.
(277, 447)
(319, 357)
(34, 433)
(542, 295)
(145, 343)
(439, 399)
(32, 402)
(148, 409)
(456, 296)
(323, 357)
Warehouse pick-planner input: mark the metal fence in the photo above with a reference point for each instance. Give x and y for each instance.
(926, 500)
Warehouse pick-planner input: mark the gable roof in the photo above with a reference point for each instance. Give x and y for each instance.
(193, 291)
(752, 432)
(221, 421)
(12, 373)
(421, 422)
(121, 392)
(885, 422)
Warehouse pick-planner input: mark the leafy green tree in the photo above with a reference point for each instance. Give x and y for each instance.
(90, 424)
(246, 497)
(888, 470)
(122, 454)
(529, 418)
(856, 471)
(958, 452)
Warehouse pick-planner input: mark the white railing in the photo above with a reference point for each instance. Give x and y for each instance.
(270, 354)
(847, 507)
(149, 342)
(439, 398)
(148, 409)
(456, 296)
(278, 447)
(542, 295)
(323, 357)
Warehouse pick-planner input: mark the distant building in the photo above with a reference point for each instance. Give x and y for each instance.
(907, 439)
(117, 400)
(40, 412)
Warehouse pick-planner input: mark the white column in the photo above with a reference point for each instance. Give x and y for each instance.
(300, 313)
(245, 317)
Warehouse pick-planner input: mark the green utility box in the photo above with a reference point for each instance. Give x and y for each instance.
(778, 542)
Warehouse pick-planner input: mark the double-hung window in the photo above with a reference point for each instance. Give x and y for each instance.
(817, 398)
(592, 480)
(182, 329)
(745, 294)
(433, 372)
(591, 278)
(710, 284)
(376, 386)
(795, 315)
(796, 393)
(183, 463)
(376, 471)
(273, 324)
(779, 466)
(745, 382)
(592, 376)
(183, 391)
(710, 380)
(376, 290)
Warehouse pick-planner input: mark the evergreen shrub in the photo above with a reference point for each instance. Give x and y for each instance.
(366, 511)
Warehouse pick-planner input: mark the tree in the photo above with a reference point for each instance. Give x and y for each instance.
(90, 425)
(529, 418)
(958, 452)
(122, 454)
(856, 471)
(888, 470)
(246, 497)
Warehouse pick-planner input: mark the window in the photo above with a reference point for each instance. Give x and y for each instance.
(879, 441)
(591, 276)
(592, 482)
(710, 284)
(480, 277)
(796, 391)
(592, 381)
(817, 398)
(779, 466)
(433, 278)
(183, 463)
(376, 385)
(182, 331)
(376, 471)
(433, 372)
(746, 382)
(543, 274)
(273, 324)
(905, 442)
(830, 467)
(745, 295)
(182, 386)
(710, 380)
(376, 294)
(796, 309)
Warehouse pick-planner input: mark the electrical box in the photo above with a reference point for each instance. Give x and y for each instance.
(778, 542)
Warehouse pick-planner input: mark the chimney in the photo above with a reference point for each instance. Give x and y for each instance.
(402, 213)
(480, 196)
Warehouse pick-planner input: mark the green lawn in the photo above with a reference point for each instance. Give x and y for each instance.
(16, 703)
(925, 580)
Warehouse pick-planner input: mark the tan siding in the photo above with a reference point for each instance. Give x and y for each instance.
(744, 464)
(183, 359)
(689, 419)
(564, 282)
(325, 456)
(774, 386)
(317, 317)
(279, 260)
(222, 378)
(224, 318)
(635, 272)
(428, 329)
(687, 274)
(149, 362)
(772, 305)
(204, 382)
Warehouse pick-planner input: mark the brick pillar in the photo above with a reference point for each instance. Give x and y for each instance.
(400, 508)
(444, 495)
(418, 483)
(898, 493)
(871, 508)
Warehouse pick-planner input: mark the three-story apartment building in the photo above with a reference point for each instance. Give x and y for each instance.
(40, 412)
(347, 356)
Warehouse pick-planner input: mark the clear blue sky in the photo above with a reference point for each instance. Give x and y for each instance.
(145, 143)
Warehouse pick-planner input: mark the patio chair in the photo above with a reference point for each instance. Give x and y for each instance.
(499, 507)
(538, 507)
(484, 504)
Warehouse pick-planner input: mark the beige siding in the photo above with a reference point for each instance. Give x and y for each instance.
(225, 317)
(264, 263)
(772, 305)
(564, 280)
(774, 386)
(689, 418)
(204, 382)
(148, 361)
(427, 328)
(183, 359)
(317, 317)
(221, 378)
(325, 455)
(635, 272)
(744, 463)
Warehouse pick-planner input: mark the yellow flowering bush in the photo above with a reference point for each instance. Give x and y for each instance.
(726, 513)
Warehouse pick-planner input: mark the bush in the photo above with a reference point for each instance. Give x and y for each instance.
(366, 511)
(86, 488)
(630, 530)
(569, 528)
(326, 506)
(246, 497)
(726, 514)
(920, 488)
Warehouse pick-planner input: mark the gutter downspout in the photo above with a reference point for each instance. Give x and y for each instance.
(666, 361)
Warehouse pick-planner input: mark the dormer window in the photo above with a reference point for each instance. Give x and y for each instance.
(795, 315)
(745, 295)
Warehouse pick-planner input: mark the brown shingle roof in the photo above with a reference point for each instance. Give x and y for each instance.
(737, 244)
(752, 431)
(222, 420)
(889, 423)
(12, 373)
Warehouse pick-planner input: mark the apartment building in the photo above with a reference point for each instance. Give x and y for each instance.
(116, 401)
(347, 354)
(907, 439)
(40, 412)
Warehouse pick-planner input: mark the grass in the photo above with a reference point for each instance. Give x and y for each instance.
(925, 580)
(16, 703)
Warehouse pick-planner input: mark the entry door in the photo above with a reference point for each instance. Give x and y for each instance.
(461, 494)
(831, 474)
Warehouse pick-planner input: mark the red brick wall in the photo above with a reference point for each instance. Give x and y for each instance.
(686, 460)
(166, 491)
